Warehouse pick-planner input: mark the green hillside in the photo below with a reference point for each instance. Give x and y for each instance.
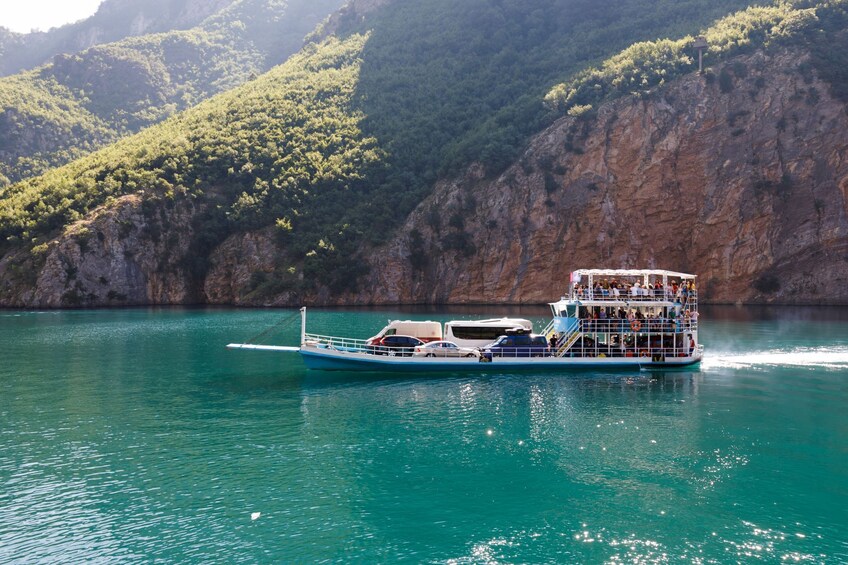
(82, 101)
(335, 147)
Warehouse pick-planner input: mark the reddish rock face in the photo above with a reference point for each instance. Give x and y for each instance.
(748, 189)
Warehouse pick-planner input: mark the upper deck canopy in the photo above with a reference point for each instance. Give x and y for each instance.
(630, 273)
(628, 285)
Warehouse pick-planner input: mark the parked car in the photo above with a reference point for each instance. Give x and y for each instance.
(525, 345)
(402, 345)
(445, 349)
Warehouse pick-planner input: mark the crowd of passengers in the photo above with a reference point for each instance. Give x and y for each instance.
(610, 319)
(683, 291)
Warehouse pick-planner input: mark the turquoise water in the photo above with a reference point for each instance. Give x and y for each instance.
(134, 435)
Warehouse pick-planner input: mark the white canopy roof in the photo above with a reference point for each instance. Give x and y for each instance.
(632, 273)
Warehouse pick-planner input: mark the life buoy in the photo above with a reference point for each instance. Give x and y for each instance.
(644, 353)
(635, 325)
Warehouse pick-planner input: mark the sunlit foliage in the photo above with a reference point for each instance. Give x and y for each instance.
(820, 26)
(82, 101)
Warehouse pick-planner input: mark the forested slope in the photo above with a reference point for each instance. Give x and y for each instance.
(289, 181)
(78, 102)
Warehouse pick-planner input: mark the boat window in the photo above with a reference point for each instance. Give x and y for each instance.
(478, 332)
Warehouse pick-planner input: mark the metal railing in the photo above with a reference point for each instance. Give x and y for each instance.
(650, 295)
(339, 343)
(647, 325)
(350, 345)
(647, 353)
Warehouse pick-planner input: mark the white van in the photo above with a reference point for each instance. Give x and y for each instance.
(425, 331)
(477, 333)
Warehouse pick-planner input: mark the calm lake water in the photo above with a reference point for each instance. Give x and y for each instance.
(134, 435)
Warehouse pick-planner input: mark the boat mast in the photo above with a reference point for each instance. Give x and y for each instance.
(303, 325)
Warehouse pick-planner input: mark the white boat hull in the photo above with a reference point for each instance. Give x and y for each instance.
(322, 358)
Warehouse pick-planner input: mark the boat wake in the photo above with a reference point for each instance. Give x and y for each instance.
(823, 357)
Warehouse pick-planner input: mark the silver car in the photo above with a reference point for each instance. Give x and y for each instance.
(444, 349)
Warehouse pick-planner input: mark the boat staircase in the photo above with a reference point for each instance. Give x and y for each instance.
(565, 341)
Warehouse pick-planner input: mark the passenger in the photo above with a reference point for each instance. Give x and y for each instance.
(691, 345)
(553, 341)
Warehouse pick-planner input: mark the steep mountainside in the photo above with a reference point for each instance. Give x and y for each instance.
(79, 102)
(298, 186)
(746, 186)
(113, 21)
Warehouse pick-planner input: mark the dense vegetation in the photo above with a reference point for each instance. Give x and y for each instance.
(81, 101)
(445, 83)
(335, 147)
(822, 27)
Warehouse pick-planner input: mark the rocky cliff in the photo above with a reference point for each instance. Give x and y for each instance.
(743, 181)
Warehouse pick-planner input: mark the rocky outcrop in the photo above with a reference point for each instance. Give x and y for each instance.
(746, 186)
(125, 254)
(241, 269)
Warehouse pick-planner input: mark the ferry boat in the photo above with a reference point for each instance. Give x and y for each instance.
(609, 319)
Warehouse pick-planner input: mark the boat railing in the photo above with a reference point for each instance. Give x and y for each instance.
(340, 343)
(576, 349)
(647, 325)
(350, 345)
(647, 353)
(660, 295)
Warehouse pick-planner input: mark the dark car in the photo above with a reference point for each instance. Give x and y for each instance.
(402, 345)
(524, 345)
